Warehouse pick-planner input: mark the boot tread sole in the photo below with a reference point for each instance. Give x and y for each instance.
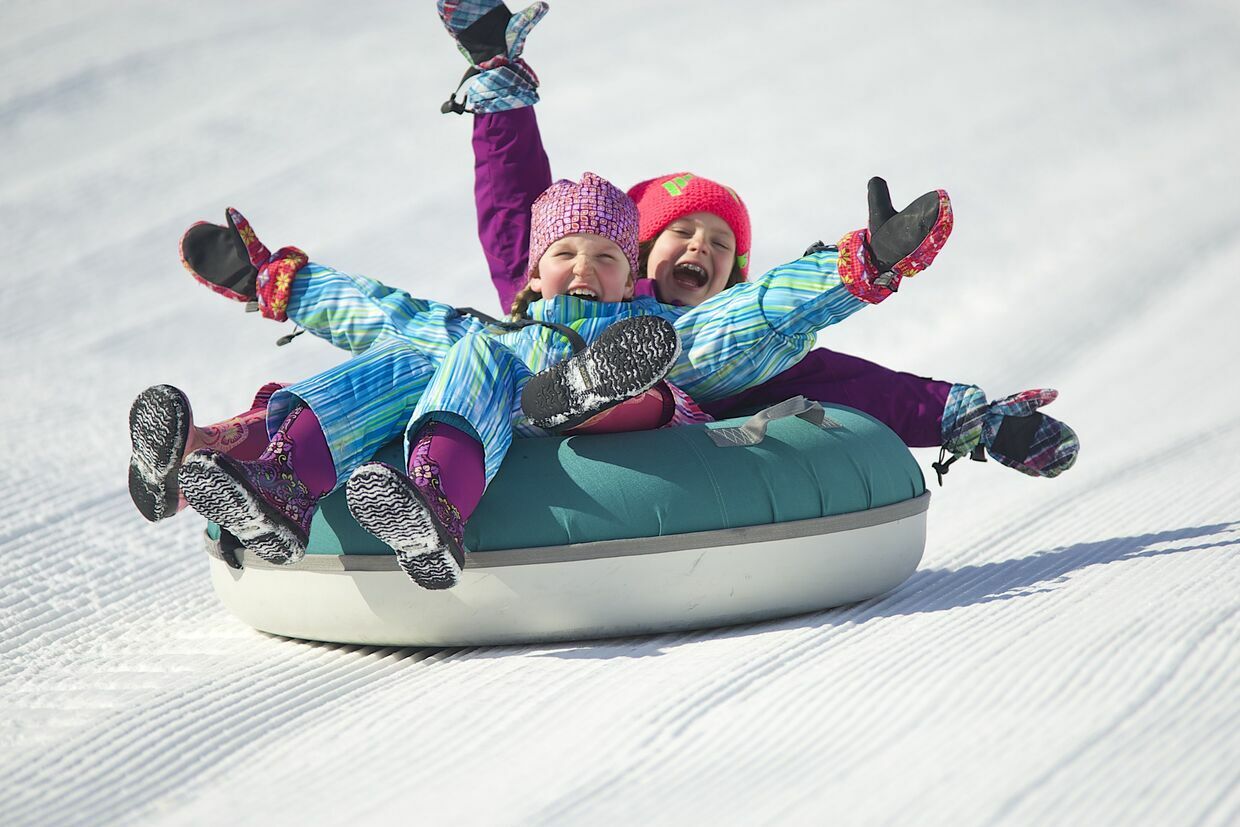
(629, 358)
(387, 506)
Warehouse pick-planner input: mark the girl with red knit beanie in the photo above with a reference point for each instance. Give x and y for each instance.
(695, 242)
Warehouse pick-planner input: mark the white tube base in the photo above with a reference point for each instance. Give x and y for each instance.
(527, 595)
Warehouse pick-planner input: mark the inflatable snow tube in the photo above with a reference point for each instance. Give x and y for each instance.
(796, 509)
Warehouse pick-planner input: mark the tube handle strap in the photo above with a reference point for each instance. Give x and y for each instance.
(754, 430)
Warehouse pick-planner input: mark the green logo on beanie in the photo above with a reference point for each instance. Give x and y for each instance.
(676, 186)
(742, 261)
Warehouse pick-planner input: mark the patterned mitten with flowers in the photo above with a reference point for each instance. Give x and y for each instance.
(234, 263)
(896, 245)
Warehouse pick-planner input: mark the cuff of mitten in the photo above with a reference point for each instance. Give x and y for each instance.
(275, 282)
(858, 272)
(510, 86)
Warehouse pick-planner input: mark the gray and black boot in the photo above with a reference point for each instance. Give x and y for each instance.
(626, 360)
(424, 531)
(159, 427)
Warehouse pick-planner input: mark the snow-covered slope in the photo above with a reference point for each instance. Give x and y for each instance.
(1068, 650)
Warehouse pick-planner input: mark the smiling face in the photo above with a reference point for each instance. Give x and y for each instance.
(584, 265)
(692, 258)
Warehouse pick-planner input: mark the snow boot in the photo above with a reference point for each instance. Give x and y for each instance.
(414, 518)
(896, 245)
(1011, 430)
(646, 411)
(160, 421)
(626, 360)
(234, 263)
(492, 39)
(265, 503)
(162, 432)
(243, 436)
(268, 512)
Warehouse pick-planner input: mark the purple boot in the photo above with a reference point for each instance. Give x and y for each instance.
(388, 505)
(628, 359)
(265, 503)
(422, 516)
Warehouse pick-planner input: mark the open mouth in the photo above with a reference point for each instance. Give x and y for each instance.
(692, 276)
(583, 293)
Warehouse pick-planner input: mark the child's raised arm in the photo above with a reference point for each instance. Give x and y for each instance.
(510, 165)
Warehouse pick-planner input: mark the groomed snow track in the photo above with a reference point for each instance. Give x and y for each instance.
(1068, 652)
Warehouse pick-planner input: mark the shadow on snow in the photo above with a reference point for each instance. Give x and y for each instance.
(936, 590)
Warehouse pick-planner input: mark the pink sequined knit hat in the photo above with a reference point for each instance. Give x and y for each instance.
(592, 206)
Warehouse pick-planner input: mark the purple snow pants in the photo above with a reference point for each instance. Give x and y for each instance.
(511, 170)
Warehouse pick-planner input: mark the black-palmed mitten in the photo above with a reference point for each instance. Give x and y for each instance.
(896, 244)
(234, 263)
(492, 39)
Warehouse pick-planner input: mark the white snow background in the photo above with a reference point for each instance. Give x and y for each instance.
(1067, 652)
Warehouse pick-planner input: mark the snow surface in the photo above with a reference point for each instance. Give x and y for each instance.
(1067, 651)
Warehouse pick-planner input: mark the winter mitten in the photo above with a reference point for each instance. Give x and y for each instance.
(234, 263)
(414, 518)
(626, 360)
(896, 245)
(1011, 430)
(492, 39)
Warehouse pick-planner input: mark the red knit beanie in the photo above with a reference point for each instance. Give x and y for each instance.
(662, 200)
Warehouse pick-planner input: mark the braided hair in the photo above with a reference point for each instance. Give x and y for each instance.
(521, 304)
